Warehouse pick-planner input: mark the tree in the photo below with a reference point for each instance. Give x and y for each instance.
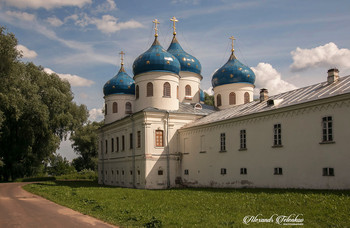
(36, 112)
(85, 144)
(208, 99)
(59, 165)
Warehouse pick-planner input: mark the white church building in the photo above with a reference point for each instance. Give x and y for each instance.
(159, 134)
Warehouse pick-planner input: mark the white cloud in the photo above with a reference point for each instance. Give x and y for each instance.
(267, 77)
(54, 21)
(328, 55)
(96, 114)
(74, 80)
(106, 6)
(193, 2)
(29, 54)
(209, 90)
(21, 15)
(47, 4)
(109, 24)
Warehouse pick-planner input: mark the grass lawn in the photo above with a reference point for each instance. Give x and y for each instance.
(197, 207)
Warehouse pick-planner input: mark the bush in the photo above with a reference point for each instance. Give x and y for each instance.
(85, 174)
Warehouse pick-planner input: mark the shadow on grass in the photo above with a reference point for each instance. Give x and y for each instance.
(88, 184)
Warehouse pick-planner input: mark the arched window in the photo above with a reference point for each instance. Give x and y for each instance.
(218, 100)
(115, 107)
(128, 109)
(177, 92)
(105, 109)
(232, 98)
(149, 89)
(137, 92)
(166, 90)
(246, 98)
(187, 90)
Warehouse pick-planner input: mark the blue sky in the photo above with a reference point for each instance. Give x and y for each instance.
(287, 43)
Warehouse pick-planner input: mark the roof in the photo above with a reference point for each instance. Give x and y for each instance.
(303, 95)
(122, 83)
(186, 108)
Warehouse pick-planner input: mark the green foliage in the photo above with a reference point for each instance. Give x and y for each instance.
(36, 112)
(208, 99)
(197, 207)
(59, 166)
(85, 174)
(85, 144)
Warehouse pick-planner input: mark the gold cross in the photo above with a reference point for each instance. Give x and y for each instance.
(122, 57)
(232, 38)
(155, 21)
(174, 20)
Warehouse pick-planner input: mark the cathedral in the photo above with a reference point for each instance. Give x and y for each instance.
(159, 134)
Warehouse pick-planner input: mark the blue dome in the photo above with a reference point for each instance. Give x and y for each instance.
(156, 58)
(233, 72)
(187, 61)
(122, 83)
(201, 95)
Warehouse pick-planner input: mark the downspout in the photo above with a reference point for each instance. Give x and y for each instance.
(133, 151)
(167, 150)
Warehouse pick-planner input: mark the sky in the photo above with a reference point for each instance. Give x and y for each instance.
(288, 44)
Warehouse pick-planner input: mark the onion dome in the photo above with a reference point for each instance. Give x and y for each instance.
(233, 72)
(122, 83)
(187, 61)
(156, 58)
(201, 95)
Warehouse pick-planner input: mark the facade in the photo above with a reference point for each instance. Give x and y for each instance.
(158, 134)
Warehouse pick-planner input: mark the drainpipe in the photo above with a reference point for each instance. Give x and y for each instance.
(133, 151)
(167, 150)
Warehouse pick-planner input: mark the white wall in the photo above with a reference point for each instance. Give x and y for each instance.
(121, 99)
(238, 88)
(157, 100)
(302, 157)
(192, 79)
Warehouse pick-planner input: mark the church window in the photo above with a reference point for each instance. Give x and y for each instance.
(159, 138)
(160, 172)
(232, 98)
(138, 139)
(223, 171)
(188, 90)
(327, 129)
(131, 141)
(243, 139)
(115, 107)
(222, 142)
(277, 135)
(137, 92)
(177, 92)
(149, 89)
(246, 98)
(128, 109)
(117, 141)
(328, 172)
(278, 171)
(123, 143)
(106, 146)
(186, 172)
(112, 144)
(105, 109)
(138, 177)
(166, 90)
(218, 100)
(243, 171)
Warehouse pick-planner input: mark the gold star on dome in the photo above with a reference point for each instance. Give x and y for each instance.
(223, 70)
(168, 62)
(240, 68)
(121, 80)
(113, 87)
(231, 75)
(148, 62)
(248, 75)
(188, 64)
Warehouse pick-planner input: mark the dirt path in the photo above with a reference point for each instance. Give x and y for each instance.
(19, 208)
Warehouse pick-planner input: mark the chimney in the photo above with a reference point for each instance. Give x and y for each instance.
(333, 75)
(264, 95)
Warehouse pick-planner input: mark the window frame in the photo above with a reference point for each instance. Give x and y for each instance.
(128, 108)
(278, 171)
(232, 98)
(123, 143)
(112, 145)
(243, 171)
(117, 142)
(149, 89)
(218, 100)
(159, 138)
(186, 172)
(131, 141)
(167, 90)
(223, 171)
(223, 142)
(328, 171)
(243, 139)
(327, 129)
(277, 135)
(138, 139)
(246, 97)
(115, 107)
